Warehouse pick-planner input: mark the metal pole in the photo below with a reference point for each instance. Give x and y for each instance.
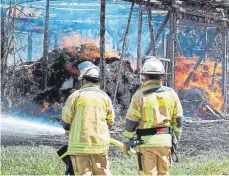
(45, 48)
(102, 42)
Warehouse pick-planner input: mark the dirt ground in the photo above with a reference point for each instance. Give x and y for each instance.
(197, 137)
(205, 135)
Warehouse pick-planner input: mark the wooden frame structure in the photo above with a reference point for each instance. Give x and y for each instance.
(203, 13)
(213, 13)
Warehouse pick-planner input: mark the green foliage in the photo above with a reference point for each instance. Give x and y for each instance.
(43, 160)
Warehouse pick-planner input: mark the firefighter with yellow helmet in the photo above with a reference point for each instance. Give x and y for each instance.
(86, 117)
(154, 112)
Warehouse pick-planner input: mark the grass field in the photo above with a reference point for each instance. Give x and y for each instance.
(43, 160)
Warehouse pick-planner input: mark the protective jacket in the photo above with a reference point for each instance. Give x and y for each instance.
(152, 106)
(87, 114)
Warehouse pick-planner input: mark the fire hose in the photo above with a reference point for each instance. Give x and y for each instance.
(63, 154)
(133, 143)
(121, 145)
(63, 151)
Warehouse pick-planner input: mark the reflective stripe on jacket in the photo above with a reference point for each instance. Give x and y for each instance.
(152, 108)
(89, 111)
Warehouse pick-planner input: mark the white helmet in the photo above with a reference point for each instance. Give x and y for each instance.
(153, 66)
(88, 69)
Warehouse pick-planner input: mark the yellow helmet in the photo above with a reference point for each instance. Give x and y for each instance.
(153, 66)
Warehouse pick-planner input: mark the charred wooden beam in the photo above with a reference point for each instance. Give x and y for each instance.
(199, 18)
(207, 13)
(123, 50)
(204, 5)
(172, 48)
(225, 66)
(30, 46)
(206, 41)
(4, 42)
(201, 59)
(55, 45)
(13, 52)
(179, 45)
(195, 24)
(153, 42)
(152, 3)
(167, 5)
(45, 48)
(164, 44)
(214, 72)
(215, 112)
(164, 23)
(139, 46)
(102, 42)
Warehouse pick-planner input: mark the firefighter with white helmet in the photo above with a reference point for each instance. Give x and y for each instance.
(153, 66)
(86, 116)
(88, 69)
(154, 112)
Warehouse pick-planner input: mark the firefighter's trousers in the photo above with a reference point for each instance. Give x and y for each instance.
(155, 160)
(88, 164)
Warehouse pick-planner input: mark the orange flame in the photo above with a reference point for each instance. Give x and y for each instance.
(44, 106)
(30, 70)
(207, 77)
(72, 70)
(36, 110)
(86, 49)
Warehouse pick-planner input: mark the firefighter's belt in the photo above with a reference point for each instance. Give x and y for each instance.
(152, 131)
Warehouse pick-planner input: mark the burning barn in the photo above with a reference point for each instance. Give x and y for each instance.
(191, 37)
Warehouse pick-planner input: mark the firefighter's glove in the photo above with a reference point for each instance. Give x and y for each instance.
(127, 144)
(134, 143)
(67, 133)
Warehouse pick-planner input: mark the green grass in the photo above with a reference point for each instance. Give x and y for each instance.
(210, 163)
(30, 161)
(44, 161)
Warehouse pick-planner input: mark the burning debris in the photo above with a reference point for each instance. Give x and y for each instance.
(196, 106)
(62, 80)
(89, 48)
(201, 99)
(203, 96)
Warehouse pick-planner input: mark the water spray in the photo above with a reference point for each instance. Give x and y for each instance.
(19, 125)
